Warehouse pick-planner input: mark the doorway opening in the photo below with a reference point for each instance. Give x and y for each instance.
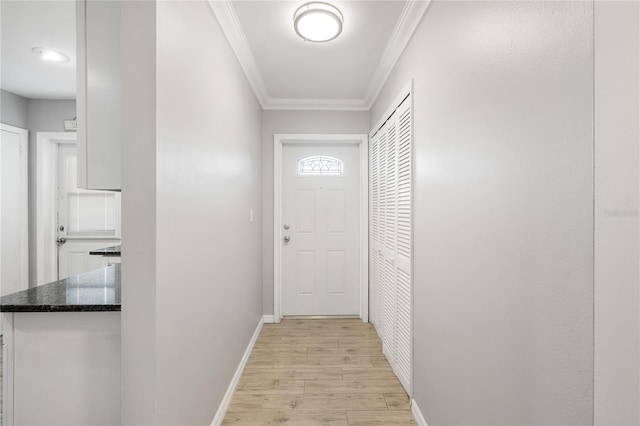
(70, 222)
(321, 225)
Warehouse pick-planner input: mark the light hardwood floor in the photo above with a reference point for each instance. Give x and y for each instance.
(319, 372)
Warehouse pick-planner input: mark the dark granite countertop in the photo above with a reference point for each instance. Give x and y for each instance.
(107, 251)
(97, 290)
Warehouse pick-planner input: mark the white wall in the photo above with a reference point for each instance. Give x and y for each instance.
(293, 122)
(503, 211)
(138, 353)
(13, 109)
(192, 292)
(208, 283)
(617, 132)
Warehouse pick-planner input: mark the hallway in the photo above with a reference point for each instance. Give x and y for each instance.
(325, 371)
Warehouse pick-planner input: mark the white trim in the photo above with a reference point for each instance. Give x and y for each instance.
(46, 202)
(407, 23)
(267, 319)
(228, 395)
(363, 141)
(25, 237)
(415, 410)
(316, 104)
(14, 129)
(409, 20)
(228, 20)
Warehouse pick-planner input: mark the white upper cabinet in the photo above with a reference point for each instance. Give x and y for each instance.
(99, 94)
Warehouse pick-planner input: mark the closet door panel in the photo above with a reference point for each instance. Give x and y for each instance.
(374, 220)
(404, 291)
(382, 282)
(389, 307)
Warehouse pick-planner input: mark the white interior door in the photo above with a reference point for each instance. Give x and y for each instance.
(87, 219)
(321, 220)
(14, 249)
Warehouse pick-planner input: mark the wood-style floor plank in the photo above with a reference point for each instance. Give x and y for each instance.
(353, 386)
(330, 402)
(268, 386)
(319, 372)
(360, 373)
(397, 401)
(299, 373)
(386, 418)
(291, 417)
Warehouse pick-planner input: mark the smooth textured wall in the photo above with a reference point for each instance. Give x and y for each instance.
(13, 109)
(503, 218)
(139, 200)
(209, 264)
(617, 132)
(293, 122)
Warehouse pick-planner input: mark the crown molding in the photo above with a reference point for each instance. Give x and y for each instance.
(228, 20)
(409, 20)
(316, 104)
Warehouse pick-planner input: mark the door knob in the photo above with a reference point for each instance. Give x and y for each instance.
(61, 240)
(286, 239)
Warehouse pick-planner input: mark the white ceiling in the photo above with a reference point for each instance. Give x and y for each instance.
(346, 73)
(285, 71)
(27, 24)
(339, 69)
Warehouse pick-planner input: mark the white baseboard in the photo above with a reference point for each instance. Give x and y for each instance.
(228, 395)
(417, 413)
(267, 319)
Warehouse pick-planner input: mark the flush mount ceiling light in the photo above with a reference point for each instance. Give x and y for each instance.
(318, 21)
(50, 55)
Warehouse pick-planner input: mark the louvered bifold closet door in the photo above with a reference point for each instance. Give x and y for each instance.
(389, 246)
(374, 240)
(382, 187)
(391, 240)
(404, 292)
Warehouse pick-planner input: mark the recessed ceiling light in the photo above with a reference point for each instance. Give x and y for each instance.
(50, 55)
(318, 21)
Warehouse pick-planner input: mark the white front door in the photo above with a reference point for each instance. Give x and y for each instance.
(87, 220)
(14, 250)
(320, 212)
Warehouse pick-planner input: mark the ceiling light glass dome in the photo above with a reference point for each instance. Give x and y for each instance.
(50, 55)
(318, 21)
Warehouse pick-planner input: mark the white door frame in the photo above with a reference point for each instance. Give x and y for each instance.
(279, 140)
(46, 202)
(24, 258)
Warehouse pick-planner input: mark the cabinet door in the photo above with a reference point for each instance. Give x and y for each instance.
(98, 97)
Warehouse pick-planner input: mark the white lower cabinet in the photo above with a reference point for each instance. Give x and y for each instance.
(61, 368)
(390, 257)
